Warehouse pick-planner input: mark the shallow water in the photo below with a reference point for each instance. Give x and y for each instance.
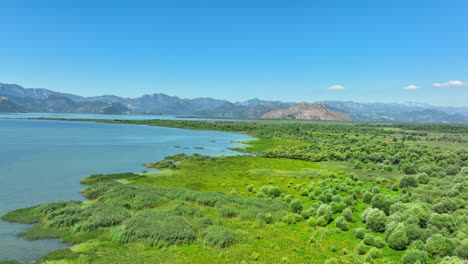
(43, 161)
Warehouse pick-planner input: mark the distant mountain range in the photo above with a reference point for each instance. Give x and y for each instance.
(15, 98)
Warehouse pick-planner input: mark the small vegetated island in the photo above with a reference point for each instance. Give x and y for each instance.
(317, 192)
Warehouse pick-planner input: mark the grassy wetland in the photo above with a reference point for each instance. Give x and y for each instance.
(314, 192)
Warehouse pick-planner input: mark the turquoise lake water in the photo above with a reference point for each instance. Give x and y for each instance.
(44, 161)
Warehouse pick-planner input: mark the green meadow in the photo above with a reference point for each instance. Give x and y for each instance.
(310, 193)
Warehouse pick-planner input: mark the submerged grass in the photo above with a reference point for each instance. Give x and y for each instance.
(24, 216)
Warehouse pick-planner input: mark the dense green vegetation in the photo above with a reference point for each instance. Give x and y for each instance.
(321, 192)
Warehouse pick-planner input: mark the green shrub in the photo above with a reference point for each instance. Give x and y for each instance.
(378, 242)
(414, 255)
(203, 223)
(452, 169)
(375, 190)
(397, 239)
(382, 202)
(423, 178)
(408, 168)
(359, 232)
(147, 199)
(323, 220)
(270, 191)
(443, 222)
(361, 248)
(376, 220)
(250, 188)
(65, 220)
(439, 246)
(462, 249)
(156, 228)
(368, 239)
(395, 187)
(341, 224)
(348, 215)
(308, 212)
(208, 199)
(331, 261)
(101, 215)
(51, 207)
(324, 209)
(180, 209)
(337, 207)
(451, 260)
(375, 253)
(98, 189)
(413, 231)
(226, 212)
(268, 218)
(349, 201)
(312, 222)
(367, 197)
(217, 236)
(408, 181)
(445, 205)
(317, 191)
(296, 206)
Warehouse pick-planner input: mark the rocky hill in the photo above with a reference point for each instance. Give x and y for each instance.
(305, 111)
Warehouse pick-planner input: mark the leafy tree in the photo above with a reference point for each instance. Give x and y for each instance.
(414, 255)
(341, 224)
(408, 181)
(452, 170)
(376, 220)
(368, 239)
(271, 191)
(462, 249)
(378, 242)
(423, 178)
(361, 248)
(359, 232)
(408, 168)
(451, 260)
(443, 221)
(367, 197)
(348, 215)
(445, 205)
(398, 239)
(382, 202)
(296, 206)
(413, 231)
(375, 253)
(439, 246)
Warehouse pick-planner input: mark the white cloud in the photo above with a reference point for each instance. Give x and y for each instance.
(336, 87)
(411, 87)
(449, 84)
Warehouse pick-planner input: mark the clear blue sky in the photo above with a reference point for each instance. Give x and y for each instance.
(236, 50)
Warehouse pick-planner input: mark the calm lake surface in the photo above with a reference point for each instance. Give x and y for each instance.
(44, 161)
(124, 117)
